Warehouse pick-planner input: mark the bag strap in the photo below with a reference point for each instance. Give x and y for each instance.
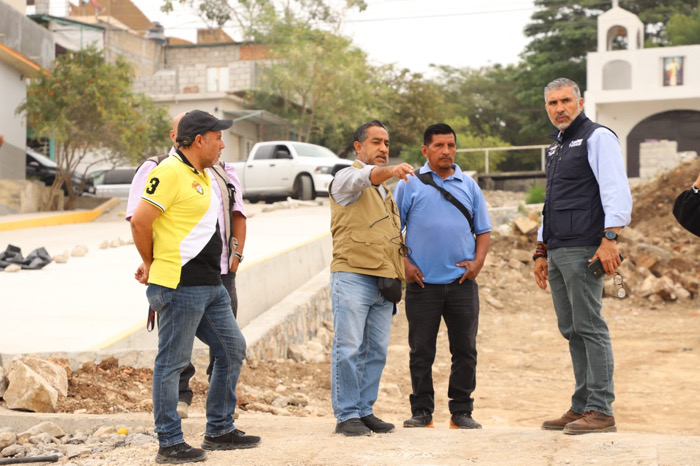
(427, 178)
(228, 198)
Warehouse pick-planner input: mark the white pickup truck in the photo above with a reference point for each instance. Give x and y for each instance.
(277, 169)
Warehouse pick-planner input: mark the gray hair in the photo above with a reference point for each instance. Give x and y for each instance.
(361, 132)
(560, 83)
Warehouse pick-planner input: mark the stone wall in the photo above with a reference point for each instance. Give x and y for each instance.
(656, 157)
(186, 70)
(24, 196)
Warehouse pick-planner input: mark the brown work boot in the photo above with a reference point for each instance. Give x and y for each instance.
(559, 424)
(591, 422)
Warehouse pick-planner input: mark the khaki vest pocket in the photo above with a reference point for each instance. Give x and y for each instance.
(366, 250)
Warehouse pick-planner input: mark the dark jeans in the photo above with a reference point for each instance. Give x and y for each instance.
(184, 313)
(425, 307)
(185, 392)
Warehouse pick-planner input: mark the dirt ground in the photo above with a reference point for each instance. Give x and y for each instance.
(524, 373)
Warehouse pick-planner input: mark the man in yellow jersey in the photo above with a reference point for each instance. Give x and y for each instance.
(175, 230)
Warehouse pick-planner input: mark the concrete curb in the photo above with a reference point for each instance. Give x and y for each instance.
(60, 218)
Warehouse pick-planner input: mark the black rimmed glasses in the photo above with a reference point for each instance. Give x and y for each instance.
(617, 279)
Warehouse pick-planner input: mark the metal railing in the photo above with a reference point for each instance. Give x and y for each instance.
(486, 151)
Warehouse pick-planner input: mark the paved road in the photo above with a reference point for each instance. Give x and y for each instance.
(91, 301)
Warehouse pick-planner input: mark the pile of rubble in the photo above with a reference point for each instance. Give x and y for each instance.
(661, 258)
(47, 442)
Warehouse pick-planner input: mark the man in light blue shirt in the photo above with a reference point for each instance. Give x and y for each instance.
(443, 260)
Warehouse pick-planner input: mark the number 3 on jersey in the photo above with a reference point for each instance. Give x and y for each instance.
(152, 185)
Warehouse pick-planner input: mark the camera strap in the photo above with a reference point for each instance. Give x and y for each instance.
(427, 178)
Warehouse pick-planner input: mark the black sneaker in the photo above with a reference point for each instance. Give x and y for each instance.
(352, 428)
(420, 419)
(232, 441)
(180, 453)
(463, 421)
(375, 424)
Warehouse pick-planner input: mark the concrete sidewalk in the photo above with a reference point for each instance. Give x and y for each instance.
(92, 302)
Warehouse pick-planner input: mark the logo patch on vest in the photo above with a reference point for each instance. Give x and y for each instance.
(198, 187)
(576, 143)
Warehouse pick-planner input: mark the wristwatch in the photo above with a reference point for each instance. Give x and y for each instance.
(695, 190)
(239, 255)
(611, 235)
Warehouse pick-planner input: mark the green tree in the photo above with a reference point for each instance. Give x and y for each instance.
(407, 103)
(684, 29)
(322, 84)
(88, 108)
(256, 17)
(485, 97)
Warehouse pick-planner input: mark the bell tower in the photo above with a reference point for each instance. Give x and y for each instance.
(618, 29)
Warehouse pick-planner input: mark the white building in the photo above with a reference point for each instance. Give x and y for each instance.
(25, 50)
(642, 94)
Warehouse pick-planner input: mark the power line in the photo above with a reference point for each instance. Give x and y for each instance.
(441, 15)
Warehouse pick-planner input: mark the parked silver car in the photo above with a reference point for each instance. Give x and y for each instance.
(113, 183)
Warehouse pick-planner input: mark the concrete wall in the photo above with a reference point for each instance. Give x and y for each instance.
(145, 55)
(187, 66)
(267, 282)
(21, 196)
(660, 156)
(25, 36)
(12, 126)
(281, 300)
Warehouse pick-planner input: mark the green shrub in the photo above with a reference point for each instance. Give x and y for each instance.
(535, 195)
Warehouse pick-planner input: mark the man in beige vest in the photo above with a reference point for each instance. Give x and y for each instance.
(367, 250)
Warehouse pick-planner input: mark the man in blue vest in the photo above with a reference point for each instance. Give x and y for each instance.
(587, 203)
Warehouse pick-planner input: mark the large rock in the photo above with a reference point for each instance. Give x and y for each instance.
(54, 374)
(46, 427)
(28, 390)
(523, 256)
(648, 287)
(524, 225)
(649, 256)
(7, 439)
(666, 289)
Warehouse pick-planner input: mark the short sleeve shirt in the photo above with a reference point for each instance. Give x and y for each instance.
(438, 235)
(186, 239)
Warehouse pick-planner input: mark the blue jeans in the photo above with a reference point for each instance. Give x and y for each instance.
(183, 313)
(577, 297)
(362, 325)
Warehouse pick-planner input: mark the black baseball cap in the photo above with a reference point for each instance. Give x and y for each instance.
(198, 122)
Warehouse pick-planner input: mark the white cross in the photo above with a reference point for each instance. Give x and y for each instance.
(616, 3)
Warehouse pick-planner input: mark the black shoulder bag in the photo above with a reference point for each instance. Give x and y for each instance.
(427, 178)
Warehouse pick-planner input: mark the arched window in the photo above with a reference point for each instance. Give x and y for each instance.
(618, 38)
(617, 74)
